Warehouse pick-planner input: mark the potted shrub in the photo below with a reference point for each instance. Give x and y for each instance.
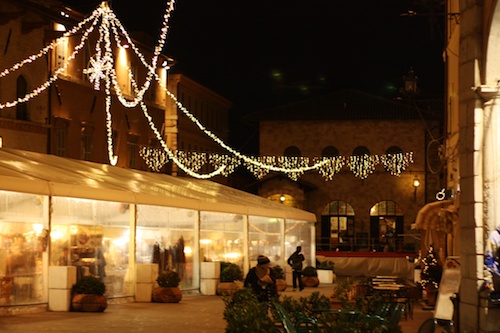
(245, 314)
(326, 272)
(88, 295)
(231, 276)
(310, 277)
(279, 274)
(168, 290)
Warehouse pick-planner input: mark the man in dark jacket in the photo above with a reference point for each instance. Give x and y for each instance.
(295, 261)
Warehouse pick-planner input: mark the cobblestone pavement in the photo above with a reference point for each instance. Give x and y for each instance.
(195, 313)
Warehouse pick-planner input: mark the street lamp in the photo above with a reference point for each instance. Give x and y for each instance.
(411, 82)
(416, 184)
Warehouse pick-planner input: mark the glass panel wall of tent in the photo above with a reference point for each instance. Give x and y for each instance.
(106, 239)
(222, 238)
(95, 237)
(23, 240)
(300, 233)
(168, 236)
(264, 238)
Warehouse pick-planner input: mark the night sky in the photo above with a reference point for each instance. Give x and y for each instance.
(263, 53)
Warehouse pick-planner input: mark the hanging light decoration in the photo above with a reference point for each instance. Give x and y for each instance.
(102, 69)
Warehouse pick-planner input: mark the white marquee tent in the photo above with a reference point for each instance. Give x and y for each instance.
(35, 173)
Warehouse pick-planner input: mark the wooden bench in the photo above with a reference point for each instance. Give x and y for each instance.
(303, 324)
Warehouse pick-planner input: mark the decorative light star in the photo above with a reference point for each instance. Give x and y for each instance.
(98, 67)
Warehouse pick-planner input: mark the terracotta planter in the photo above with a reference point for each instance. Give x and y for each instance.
(227, 288)
(167, 295)
(310, 281)
(89, 303)
(281, 284)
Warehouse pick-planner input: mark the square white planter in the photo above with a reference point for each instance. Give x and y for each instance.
(210, 270)
(143, 292)
(209, 286)
(325, 276)
(62, 277)
(147, 273)
(59, 299)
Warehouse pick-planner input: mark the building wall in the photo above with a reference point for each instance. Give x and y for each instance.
(313, 193)
(209, 108)
(16, 28)
(69, 118)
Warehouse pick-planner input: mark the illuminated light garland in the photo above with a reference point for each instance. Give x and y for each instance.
(246, 159)
(101, 68)
(363, 166)
(273, 233)
(52, 45)
(230, 163)
(195, 161)
(332, 167)
(151, 68)
(37, 91)
(171, 154)
(396, 163)
(155, 158)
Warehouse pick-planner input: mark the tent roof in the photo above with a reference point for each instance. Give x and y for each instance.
(30, 172)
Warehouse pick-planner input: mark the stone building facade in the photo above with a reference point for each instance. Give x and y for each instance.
(355, 213)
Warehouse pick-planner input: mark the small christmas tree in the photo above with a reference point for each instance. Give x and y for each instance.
(431, 270)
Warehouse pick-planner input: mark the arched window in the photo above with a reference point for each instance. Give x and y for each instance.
(21, 90)
(393, 150)
(361, 151)
(387, 226)
(330, 151)
(337, 227)
(292, 151)
(392, 153)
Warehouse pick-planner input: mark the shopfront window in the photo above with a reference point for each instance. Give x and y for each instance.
(23, 244)
(337, 227)
(387, 227)
(222, 237)
(167, 236)
(94, 236)
(264, 237)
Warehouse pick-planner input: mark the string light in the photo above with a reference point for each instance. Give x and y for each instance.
(364, 165)
(102, 68)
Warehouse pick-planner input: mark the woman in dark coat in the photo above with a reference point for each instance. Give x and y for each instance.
(260, 279)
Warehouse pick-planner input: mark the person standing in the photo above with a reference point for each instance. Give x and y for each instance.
(295, 261)
(492, 261)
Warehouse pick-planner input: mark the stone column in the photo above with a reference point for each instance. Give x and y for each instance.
(471, 166)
